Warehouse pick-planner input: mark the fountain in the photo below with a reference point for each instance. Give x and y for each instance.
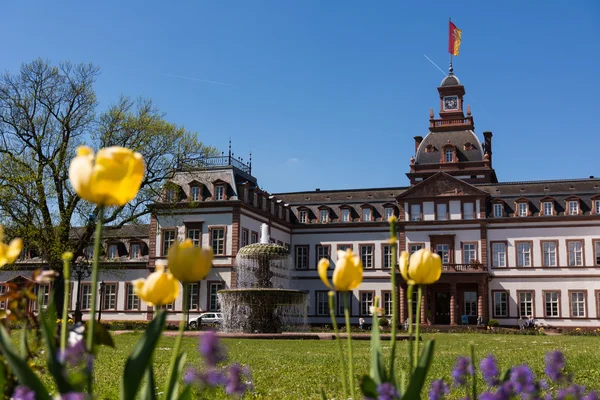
(262, 301)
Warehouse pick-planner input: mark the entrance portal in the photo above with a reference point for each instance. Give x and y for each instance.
(442, 308)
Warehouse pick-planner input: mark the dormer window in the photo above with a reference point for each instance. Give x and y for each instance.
(468, 146)
(522, 209)
(303, 216)
(573, 207)
(219, 192)
(448, 156)
(498, 210)
(366, 214)
(429, 148)
(170, 195)
(389, 213)
(324, 216)
(547, 208)
(195, 193)
(596, 206)
(415, 212)
(136, 250)
(113, 251)
(345, 215)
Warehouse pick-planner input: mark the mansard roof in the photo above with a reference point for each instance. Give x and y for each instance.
(456, 138)
(126, 231)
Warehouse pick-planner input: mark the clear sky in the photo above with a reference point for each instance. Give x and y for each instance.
(329, 94)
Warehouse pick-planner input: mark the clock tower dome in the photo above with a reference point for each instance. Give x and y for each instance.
(451, 97)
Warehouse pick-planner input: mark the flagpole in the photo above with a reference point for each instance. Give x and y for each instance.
(450, 69)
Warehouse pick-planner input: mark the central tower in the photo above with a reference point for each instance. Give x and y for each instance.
(451, 145)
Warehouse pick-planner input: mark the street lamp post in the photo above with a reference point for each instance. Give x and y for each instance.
(101, 300)
(81, 270)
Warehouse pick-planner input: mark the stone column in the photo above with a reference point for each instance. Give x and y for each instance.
(424, 306)
(480, 300)
(452, 303)
(402, 303)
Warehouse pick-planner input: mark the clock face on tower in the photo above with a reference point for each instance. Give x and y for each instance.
(450, 103)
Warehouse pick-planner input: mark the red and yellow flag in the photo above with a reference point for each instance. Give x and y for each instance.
(454, 39)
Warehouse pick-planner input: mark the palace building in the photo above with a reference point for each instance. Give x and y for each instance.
(510, 250)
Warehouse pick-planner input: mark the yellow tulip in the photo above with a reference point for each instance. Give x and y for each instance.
(159, 288)
(112, 180)
(189, 263)
(9, 252)
(423, 268)
(348, 272)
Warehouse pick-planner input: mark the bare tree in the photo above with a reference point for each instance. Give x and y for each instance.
(46, 111)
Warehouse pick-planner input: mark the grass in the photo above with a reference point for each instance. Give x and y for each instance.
(295, 369)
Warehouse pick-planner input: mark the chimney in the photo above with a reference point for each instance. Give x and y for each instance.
(488, 142)
(418, 140)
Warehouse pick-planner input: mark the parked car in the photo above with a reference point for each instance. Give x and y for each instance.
(206, 319)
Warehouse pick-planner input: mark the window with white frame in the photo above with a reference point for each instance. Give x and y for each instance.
(244, 237)
(498, 210)
(110, 296)
(193, 291)
(324, 214)
(389, 213)
(523, 208)
(575, 253)
(441, 211)
(549, 254)
(136, 250)
(449, 156)
(219, 192)
(345, 215)
(366, 255)
(86, 296)
(301, 257)
(366, 214)
(525, 304)
(113, 251)
(254, 237)
(43, 292)
(168, 239)
(597, 256)
(323, 252)
(577, 304)
(573, 207)
(469, 211)
(387, 256)
(303, 216)
(195, 193)
(213, 289)
(523, 254)
(218, 240)
(170, 195)
(597, 207)
(88, 251)
(469, 253)
(133, 301)
(366, 302)
(388, 307)
(322, 303)
(414, 247)
(499, 255)
(195, 235)
(415, 212)
(551, 300)
(471, 304)
(500, 304)
(548, 208)
(443, 250)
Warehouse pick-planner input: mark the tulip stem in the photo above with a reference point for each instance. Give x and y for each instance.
(65, 311)
(339, 342)
(350, 357)
(409, 301)
(182, 325)
(92, 320)
(417, 324)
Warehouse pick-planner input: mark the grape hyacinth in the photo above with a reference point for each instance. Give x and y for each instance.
(438, 390)
(462, 369)
(23, 393)
(211, 349)
(489, 370)
(238, 381)
(555, 365)
(73, 355)
(522, 379)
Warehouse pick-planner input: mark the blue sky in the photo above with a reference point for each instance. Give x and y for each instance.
(330, 94)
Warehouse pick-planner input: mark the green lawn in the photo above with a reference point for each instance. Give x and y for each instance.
(291, 369)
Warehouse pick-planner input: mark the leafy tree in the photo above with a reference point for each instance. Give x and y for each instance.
(46, 111)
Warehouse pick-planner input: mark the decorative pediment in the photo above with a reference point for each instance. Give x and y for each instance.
(498, 200)
(389, 204)
(595, 197)
(366, 205)
(547, 199)
(441, 185)
(573, 197)
(324, 207)
(219, 181)
(522, 200)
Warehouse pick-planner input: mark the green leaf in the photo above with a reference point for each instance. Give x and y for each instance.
(140, 357)
(377, 371)
(505, 376)
(368, 387)
(20, 368)
(23, 342)
(323, 395)
(417, 380)
(187, 393)
(149, 390)
(171, 392)
(102, 336)
(48, 323)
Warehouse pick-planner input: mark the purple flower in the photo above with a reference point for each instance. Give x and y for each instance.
(211, 378)
(505, 391)
(73, 396)
(555, 365)
(522, 379)
(572, 392)
(488, 396)
(591, 396)
(73, 355)
(489, 369)
(238, 380)
(387, 391)
(23, 393)
(438, 390)
(211, 349)
(462, 369)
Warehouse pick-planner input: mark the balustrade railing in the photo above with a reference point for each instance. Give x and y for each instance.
(450, 122)
(217, 161)
(471, 267)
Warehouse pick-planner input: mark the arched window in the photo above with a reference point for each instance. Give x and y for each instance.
(449, 155)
